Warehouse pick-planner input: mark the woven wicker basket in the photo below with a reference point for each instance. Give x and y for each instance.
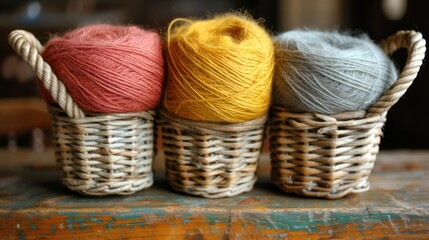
(211, 160)
(99, 154)
(324, 156)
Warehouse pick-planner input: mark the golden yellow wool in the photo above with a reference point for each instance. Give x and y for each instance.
(219, 70)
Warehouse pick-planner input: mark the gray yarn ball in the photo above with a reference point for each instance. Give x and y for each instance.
(329, 72)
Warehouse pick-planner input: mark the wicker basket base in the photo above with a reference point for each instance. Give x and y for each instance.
(211, 160)
(104, 154)
(322, 156)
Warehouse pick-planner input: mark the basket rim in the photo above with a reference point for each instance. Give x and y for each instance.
(94, 117)
(202, 127)
(326, 123)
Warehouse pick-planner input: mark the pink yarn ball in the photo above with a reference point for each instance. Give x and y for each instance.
(108, 68)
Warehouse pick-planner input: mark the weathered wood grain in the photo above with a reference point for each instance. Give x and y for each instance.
(33, 204)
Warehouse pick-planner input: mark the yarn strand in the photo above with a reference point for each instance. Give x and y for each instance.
(329, 72)
(219, 70)
(108, 68)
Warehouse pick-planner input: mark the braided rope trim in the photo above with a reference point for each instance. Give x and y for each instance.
(416, 45)
(29, 49)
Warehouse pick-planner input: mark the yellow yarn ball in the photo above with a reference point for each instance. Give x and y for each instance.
(219, 70)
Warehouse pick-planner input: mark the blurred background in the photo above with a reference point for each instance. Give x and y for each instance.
(24, 121)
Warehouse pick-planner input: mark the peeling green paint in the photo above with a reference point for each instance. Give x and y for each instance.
(135, 217)
(156, 211)
(109, 225)
(53, 229)
(96, 220)
(33, 226)
(213, 218)
(186, 218)
(144, 198)
(21, 233)
(138, 217)
(70, 227)
(76, 219)
(128, 216)
(310, 222)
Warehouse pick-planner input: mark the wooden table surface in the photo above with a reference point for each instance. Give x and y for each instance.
(34, 204)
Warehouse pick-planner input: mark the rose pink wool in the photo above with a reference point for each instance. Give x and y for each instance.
(109, 69)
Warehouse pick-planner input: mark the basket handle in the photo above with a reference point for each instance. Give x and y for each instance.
(29, 49)
(416, 46)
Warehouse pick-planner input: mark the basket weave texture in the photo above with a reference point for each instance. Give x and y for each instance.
(99, 154)
(325, 156)
(211, 160)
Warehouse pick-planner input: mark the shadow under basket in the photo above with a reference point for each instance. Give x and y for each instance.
(211, 160)
(317, 155)
(99, 154)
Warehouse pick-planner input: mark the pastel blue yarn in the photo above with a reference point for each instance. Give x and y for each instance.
(329, 72)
